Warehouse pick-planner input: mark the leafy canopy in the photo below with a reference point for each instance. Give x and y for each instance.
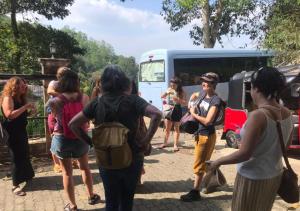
(212, 19)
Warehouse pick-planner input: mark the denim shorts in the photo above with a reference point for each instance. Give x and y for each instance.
(68, 148)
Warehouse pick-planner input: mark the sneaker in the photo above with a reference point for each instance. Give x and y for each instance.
(193, 195)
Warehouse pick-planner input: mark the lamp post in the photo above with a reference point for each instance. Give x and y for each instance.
(52, 47)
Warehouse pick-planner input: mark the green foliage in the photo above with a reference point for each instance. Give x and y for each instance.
(33, 44)
(97, 55)
(283, 31)
(212, 19)
(46, 8)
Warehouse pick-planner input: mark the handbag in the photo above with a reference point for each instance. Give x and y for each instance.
(288, 189)
(167, 111)
(212, 180)
(189, 124)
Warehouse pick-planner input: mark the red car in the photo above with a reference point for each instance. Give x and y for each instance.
(240, 103)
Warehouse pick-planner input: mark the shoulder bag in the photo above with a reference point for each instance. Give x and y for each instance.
(288, 190)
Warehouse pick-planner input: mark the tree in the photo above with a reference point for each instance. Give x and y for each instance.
(46, 8)
(213, 19)
(34, 43)
(283, 36)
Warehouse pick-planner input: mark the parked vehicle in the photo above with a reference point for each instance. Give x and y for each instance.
(157, 67)
(240, 104)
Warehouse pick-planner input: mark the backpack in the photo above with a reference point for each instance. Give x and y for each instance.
(69, 110)
(219, 119)
(110, 140)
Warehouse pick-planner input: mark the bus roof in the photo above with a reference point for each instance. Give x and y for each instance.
(207, 53)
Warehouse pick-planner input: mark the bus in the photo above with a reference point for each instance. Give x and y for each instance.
(157, 67)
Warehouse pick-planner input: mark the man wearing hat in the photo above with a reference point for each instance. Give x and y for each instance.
(204, 112)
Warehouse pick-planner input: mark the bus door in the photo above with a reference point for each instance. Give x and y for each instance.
(152, 81)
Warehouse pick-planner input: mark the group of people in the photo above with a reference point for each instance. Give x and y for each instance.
(259, 157)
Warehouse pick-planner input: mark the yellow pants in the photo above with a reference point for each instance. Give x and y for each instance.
(204, 146)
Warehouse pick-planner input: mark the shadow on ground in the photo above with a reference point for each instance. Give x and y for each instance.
(55, 182)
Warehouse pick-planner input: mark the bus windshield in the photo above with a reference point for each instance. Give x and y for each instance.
(153, 71)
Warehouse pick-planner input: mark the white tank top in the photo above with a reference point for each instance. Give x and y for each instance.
(266, 160)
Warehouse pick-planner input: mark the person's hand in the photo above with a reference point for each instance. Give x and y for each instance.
(212, 165)
(33, 111)
(144, 144)
(147, 152)
(176, 99)
(29, 106)
(193, 110)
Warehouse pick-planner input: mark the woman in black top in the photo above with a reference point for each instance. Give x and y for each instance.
(119, 184)
(15, 110)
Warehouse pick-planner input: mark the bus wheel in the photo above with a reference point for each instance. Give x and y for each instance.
(232, 139)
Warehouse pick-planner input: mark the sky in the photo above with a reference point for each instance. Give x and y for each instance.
(131, 27)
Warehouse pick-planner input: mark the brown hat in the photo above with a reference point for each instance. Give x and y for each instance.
(210, 77)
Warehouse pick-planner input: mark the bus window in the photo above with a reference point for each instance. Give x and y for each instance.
(189, 70)
(153, 71)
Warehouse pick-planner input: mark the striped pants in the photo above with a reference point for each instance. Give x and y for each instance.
(254, 195)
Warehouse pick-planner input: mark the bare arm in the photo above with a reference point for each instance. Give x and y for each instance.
(209, 117)
(155, 115)
(8, 108)
(75, 125)
(254, 128)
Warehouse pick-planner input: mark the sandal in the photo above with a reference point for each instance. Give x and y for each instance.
(69, 208)
(18, 191)
(94, 199)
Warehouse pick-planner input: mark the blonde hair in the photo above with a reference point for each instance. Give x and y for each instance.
(11, 89)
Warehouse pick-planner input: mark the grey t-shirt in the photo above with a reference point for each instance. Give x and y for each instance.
(203, 108)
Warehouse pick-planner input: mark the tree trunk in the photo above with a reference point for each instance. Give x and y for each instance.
(215, 25)
(206, 25)
(14, 26)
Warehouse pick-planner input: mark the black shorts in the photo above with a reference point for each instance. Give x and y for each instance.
(176, 114)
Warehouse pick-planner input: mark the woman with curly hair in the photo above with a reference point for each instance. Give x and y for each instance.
(15, 110)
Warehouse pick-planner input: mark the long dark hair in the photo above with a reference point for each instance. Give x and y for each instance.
(179, 89)
(114, 80)
(269, 81)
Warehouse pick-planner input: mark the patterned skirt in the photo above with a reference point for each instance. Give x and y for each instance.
(254, 195)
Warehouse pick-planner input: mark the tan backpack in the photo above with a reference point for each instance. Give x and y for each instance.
(110, 140)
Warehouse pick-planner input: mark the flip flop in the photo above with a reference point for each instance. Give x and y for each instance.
(18, 191)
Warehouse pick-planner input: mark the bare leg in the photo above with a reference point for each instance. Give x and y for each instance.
(198, 180)
(176, 135)
(168, 125)
(67, 172)
(86, 174)
(55, 160)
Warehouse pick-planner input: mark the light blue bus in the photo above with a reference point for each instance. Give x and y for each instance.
(157, 67)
